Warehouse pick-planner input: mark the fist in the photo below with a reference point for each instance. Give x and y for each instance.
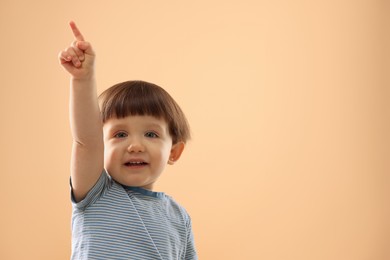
(78, 59)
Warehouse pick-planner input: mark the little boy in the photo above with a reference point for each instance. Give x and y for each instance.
(119, 151)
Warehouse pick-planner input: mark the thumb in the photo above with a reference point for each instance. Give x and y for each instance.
(86, 47)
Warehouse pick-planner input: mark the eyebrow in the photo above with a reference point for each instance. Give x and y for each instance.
(153, 125)
(148, 125)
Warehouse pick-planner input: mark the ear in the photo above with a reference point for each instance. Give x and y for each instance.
(176, 151)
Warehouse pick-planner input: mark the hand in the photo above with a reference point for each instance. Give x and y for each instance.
(78, 59)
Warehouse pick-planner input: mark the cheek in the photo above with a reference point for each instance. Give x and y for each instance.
(165, 154)
(110, 155)
(158, 153)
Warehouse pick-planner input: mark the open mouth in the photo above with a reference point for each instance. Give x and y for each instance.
(134, 164)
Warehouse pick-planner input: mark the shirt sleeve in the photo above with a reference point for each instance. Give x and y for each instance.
(190, 253)
(94, 194)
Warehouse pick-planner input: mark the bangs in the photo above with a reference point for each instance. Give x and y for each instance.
(132, 98)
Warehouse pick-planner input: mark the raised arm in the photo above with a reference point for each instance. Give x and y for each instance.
(85, 120)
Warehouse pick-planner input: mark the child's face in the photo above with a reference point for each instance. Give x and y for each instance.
(137, 149)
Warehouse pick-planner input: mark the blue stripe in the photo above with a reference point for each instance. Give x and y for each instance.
(120, 222)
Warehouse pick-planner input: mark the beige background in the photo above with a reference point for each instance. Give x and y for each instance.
(289, 107)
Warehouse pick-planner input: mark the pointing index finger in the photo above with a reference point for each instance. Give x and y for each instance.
(76, 32)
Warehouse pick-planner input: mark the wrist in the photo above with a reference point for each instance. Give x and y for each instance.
(83, 79)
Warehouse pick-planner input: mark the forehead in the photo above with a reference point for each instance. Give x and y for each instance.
(143, 121)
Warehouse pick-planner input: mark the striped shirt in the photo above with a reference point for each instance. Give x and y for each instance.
(116, 222)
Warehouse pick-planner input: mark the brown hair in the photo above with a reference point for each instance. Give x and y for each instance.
(131, 98)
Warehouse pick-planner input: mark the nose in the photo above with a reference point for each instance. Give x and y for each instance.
(135, 146)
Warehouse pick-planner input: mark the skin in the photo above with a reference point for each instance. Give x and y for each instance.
(137, 149)
(92, 149)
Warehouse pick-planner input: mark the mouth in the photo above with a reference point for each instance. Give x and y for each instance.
(135, 163)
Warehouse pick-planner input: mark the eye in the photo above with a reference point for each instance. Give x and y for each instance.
(120, 135)
(151, 134)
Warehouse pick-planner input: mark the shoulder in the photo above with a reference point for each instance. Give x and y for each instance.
(104, 186)
(178, 209)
